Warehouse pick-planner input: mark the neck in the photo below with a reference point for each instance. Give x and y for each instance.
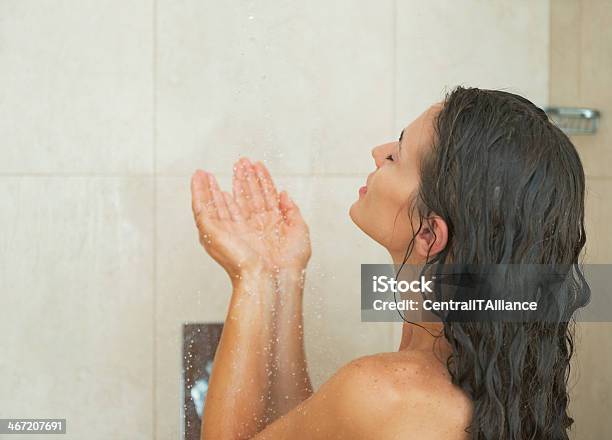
(427, 336)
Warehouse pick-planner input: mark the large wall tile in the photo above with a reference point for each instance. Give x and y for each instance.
(76, 303)
(580, 72)
(77, 90)
(495, 44)
(300, 84)
(581, 62)
(565, 52)
(590, 384)
(193, 288)
(598, 212)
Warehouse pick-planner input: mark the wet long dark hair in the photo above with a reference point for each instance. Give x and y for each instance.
(510, 186)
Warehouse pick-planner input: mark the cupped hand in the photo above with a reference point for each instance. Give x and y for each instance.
(256, 229)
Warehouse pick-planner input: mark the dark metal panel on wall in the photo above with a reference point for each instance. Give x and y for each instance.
(200, 342)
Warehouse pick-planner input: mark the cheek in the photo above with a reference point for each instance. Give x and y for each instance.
(390, 215)
(387, 194)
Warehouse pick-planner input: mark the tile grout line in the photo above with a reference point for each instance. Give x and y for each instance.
(154, 176)
(154, 232)
(394, 64)
(165, 175)
(187, 176)
(392, 328)
(580, 42)
(550, 54)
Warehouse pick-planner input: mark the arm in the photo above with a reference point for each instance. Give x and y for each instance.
(243, 396)
(237, 400)
(259, 370)
(290, 380)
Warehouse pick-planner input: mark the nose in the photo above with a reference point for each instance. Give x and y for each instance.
(378, 155)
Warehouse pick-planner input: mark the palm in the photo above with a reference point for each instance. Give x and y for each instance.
(254, 227)
(267, 237)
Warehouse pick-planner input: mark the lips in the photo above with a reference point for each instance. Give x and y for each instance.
(364, 189)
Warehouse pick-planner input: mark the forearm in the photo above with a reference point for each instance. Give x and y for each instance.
(238, 394)
(290, 382)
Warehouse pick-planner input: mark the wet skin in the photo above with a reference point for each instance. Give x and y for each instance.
(260, 386)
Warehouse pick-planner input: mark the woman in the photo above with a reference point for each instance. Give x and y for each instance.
(482, 177)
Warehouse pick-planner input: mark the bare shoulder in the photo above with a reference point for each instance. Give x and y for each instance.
(395, 393)
(383, 396)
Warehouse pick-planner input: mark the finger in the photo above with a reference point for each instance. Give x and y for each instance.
(289, 210)
(222, 211)
(257, 201)
(201, 196)
(238, 189)
(233, 208)
(246, 188)
(269, 190)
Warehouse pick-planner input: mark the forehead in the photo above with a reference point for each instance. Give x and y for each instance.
(420, 133)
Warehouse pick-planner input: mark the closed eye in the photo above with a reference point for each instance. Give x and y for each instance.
(390, 157)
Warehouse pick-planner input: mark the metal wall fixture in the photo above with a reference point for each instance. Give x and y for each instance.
(574, 120)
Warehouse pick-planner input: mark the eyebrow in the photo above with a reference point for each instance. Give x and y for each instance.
(399, 147)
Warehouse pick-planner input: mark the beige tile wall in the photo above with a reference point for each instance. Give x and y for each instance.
(76, 222)
(76, 86)
(76, 313)
(494, 44)
(107, 109)
(581, 64)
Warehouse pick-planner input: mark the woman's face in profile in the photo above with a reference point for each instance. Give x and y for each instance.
(382, 210)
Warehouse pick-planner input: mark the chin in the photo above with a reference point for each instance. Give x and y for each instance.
(353, 213)
(357, 217)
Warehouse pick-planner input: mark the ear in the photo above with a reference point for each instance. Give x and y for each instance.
(432, 238)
